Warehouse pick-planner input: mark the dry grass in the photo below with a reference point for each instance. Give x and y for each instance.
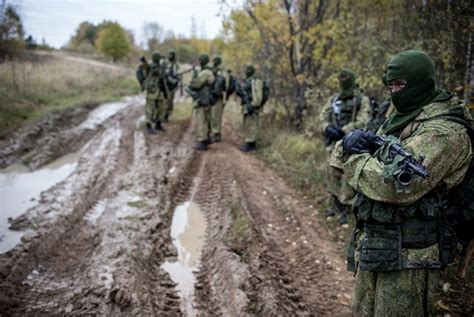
(29, 89)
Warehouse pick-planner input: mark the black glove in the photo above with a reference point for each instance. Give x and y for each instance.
(333, 133)
(142, 59)
(358, 142)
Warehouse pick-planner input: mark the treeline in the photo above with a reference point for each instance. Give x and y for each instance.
(112, 40)
(300, 46)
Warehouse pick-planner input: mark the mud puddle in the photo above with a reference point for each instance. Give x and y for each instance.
(102, 113)
(188, 231)
(20, 190)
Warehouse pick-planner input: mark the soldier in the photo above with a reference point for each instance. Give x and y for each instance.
(156, 93)
(172, 71)
(142, 72)
(401, 238)
(201, 87)
(344, 112)
(217, 108)
(252, 96)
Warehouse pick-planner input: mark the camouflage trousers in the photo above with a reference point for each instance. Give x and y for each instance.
(251, 126)
(202, 117)
(395, 293)
(216, 116)
(154, 110)
(170, 104)
(336, 184)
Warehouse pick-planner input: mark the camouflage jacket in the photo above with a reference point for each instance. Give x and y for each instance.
(254, 87)
(447, 150)
(202, 83)
(446, 147)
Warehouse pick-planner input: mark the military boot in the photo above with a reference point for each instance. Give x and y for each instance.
(149, 128)
(248, 147)
(344, 214)
(201, 146)
(333, 209)
(215, 138)
(159, 127)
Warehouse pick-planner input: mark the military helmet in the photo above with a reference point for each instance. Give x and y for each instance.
(172, 55)
(203, 60)
(249, 71)
(155, 57)
(217, 60)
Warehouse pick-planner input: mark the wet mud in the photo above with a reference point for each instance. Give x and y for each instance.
(117, 234)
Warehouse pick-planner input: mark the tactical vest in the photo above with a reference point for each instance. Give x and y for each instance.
(345, 111)
(389, 228)
(386, 229)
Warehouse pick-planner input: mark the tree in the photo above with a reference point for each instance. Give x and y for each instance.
(153, 33)
(11, 32)
(113, 41)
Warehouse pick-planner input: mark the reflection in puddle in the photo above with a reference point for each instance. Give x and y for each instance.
(188, 233)
(20, 189)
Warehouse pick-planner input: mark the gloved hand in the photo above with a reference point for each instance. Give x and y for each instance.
(333, 133)
(358, 142)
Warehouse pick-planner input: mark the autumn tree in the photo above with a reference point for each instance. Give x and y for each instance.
(113, 42)
(11, 32)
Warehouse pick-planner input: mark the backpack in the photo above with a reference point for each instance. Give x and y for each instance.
(461, 196)
(217, 88)
(266, 93)
(232, 85)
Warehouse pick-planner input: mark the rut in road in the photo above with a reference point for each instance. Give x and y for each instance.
(101, 236)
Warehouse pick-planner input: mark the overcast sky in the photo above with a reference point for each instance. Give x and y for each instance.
(57, 20)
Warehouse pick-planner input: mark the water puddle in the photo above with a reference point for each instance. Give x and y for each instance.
(104, 112)
(188, 231)
(20, 189)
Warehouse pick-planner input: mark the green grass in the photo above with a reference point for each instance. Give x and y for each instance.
(31, 89)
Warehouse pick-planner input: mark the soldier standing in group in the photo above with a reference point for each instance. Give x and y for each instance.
(200, 87)
(252, 97)
(156, 91)
(173, 72)
(344, 112)
(402, 237)
(217, 108)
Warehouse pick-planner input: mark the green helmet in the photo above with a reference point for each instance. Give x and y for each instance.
(203, 60)
(155, 57)
(249, 71)
(172, 55)
(217, 60)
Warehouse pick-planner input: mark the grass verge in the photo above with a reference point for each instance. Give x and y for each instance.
(31, 88)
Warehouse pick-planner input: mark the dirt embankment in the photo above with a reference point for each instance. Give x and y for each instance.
(99, 238)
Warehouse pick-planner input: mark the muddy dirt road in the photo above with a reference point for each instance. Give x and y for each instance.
(144, 225)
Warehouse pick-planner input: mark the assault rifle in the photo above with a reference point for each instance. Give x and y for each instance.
(409, 166)
(246, 99)
(179, 77)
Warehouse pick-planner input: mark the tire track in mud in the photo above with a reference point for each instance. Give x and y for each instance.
(101, 236)
(102, 253)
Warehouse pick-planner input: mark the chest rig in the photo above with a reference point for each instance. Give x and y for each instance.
(344, 111)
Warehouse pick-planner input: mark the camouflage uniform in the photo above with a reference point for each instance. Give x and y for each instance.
(397, 238)
(217, 108)
(202, 83)
(156, 93)
(172, 69)
(253, 86)
(354, 113)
